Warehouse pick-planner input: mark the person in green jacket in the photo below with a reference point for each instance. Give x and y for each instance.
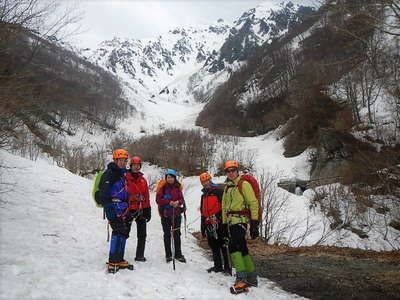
(238, 210)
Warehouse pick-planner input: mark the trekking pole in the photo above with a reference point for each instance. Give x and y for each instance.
(172, 238)
(226, 245)
(184, 218)
(108, 232)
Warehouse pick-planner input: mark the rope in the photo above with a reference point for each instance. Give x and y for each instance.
(187, 225)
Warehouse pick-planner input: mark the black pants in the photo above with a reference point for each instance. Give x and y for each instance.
(237, 239)
(217, 248)
(141, 232)
(174, 223)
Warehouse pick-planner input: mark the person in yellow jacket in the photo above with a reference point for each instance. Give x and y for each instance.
(239, 208)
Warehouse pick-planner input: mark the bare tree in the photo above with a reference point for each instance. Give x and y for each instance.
(44, 17)
(20, 18)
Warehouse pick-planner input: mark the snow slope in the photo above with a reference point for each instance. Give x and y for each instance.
(53, 244)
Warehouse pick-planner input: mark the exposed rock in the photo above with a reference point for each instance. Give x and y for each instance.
(333, 155)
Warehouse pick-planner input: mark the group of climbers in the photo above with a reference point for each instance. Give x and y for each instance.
(125, 197)
(225, 215)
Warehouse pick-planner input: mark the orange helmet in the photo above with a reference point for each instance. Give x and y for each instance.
(231, 164)
(120, 153)
(135, 160)
(205, 176)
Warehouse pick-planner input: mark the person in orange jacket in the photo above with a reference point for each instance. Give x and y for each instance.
(139, 204)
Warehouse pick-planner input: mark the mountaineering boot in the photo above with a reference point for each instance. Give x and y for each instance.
(240, 284)
(180, 258)
(252, 279)
(112, 268)
(239, 288)
(125, 265)
(115, 267)
(143, 259)
(214, 269)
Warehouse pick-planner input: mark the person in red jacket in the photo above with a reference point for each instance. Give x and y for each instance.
(211, 224)
(172, 204)
(139, 204)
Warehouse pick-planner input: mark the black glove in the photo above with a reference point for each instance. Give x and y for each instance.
(254, 233)
(119, 227)
(146, 213)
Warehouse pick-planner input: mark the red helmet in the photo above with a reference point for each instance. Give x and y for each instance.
(135, 160)
(205, 176)
(120, 153)
(231, 164)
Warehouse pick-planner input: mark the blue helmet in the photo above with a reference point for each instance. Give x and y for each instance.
(170, 172)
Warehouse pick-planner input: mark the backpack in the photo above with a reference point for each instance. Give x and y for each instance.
(256, 188)
(95, 189)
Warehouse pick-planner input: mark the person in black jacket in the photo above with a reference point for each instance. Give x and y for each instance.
(211, 224)
(114, 198)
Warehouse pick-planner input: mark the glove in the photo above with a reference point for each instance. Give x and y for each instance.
(119, 227)
(110, 211)
(146, 213)
(167, 197)
(254, 233)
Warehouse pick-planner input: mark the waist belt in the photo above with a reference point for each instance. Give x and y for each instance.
(211, 220)
(115, 200)
(239, 213)
(136, 198)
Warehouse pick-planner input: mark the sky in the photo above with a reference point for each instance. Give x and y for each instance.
(104, 19)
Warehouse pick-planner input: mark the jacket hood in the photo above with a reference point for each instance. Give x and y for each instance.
(212, 187)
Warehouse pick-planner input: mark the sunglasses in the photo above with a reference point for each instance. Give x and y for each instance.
(230, 170)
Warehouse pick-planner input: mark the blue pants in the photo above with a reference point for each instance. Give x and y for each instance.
(117, 248)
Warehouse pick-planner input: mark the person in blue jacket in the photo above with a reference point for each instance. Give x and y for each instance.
(113, 196)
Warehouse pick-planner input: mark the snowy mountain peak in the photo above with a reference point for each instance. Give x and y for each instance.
(150, 64)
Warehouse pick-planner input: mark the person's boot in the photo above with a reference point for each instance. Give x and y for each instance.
(181, 258)
(142, 259)
(114, 267)
(214, 269)
(252, 279)
(240, 285)
(168, 259)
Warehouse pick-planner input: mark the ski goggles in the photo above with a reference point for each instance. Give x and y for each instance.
(230, 170)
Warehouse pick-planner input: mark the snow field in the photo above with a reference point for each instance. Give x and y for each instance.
(53, 244)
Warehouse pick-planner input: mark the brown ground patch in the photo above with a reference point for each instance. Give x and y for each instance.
(322, 272)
